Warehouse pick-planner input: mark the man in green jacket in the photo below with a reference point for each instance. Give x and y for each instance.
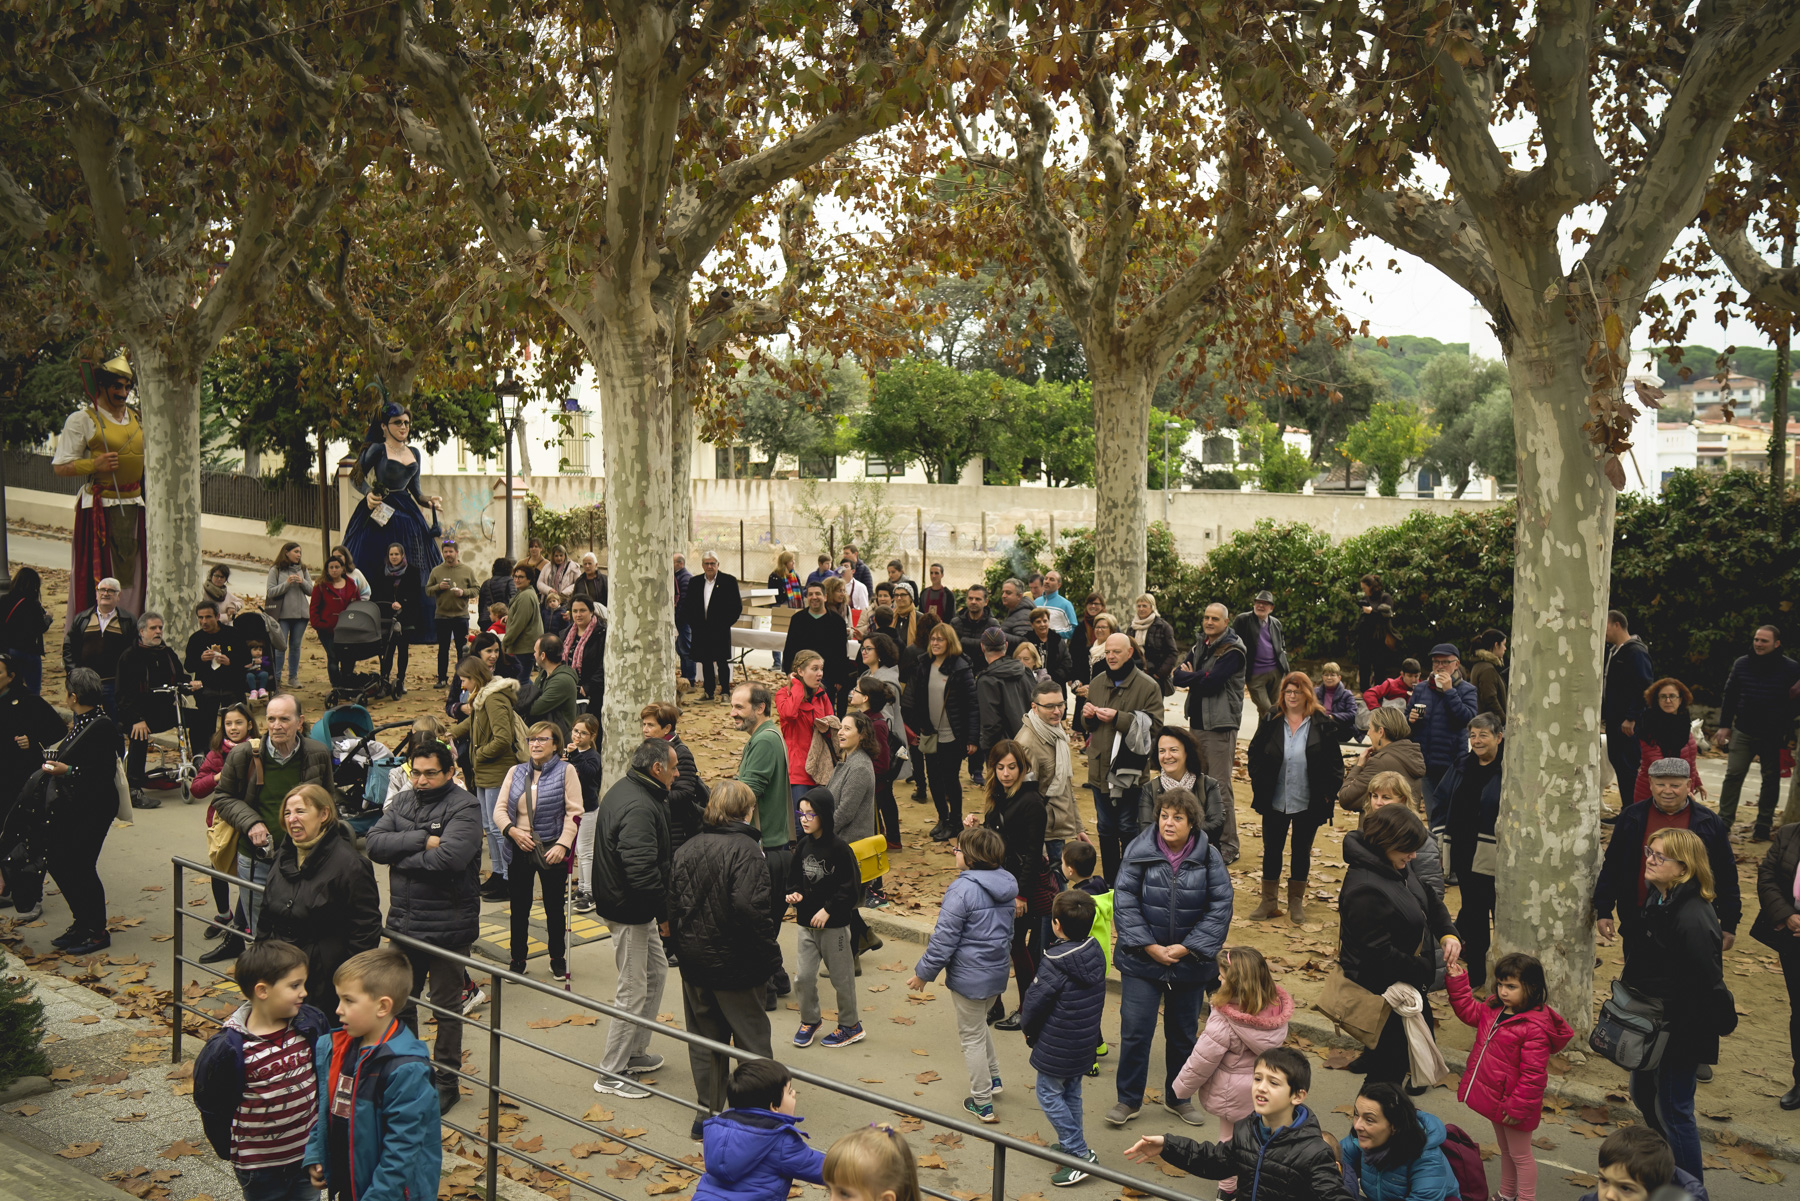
(556, 685)
(764, 769)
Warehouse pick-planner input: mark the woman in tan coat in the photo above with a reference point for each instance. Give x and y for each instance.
(492, 751)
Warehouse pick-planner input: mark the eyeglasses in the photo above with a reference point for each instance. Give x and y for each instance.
(537, 738)
(803, 814)
(1653, 857)
(107, 591)
(427, 773)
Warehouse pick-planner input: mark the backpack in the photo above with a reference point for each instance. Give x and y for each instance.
(1465, 1163)
(521, 738)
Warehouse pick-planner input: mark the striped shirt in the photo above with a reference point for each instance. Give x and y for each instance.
(281, 1101)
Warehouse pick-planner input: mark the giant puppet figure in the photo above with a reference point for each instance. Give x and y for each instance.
(104, 442)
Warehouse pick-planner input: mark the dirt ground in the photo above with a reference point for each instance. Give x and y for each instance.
(1755, 1066)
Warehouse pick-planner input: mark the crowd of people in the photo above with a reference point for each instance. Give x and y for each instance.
(1031, 703)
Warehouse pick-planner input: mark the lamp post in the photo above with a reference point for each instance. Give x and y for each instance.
(1167, 426)
(511, 397)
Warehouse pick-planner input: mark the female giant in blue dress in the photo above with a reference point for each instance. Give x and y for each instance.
(387, 474)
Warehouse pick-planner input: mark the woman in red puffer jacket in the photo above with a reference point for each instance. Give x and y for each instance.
(800, 705)
(1516, 1033)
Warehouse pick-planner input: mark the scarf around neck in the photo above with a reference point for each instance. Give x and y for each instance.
(396, 570)
(1140, 624)
(1057, 739)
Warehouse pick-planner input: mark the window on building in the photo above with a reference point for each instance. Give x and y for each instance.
(818, 467)
(875, 465)
(576, 439)
(1428, 482)
(731, 462)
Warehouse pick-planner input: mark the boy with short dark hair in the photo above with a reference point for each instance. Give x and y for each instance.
(256, 1080)
(1277, 1153)
(1061, 1020)
(375, 1082)
(1635, 1161)
(755, 1150)
(1079, 860)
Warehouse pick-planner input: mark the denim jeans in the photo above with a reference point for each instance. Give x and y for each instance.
(288, 1182)
(1437, 808)
(496, 850)
(1138, 1002)
(295, 629)
(257, 872)
(1060, 1099)
(1666, 1099)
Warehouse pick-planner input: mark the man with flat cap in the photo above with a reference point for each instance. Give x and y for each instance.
(1265, 650)
(104, 444)
(1620, 885)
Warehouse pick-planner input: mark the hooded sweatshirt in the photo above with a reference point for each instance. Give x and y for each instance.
(823, 868)
(755, 1155)
(1217, 1073)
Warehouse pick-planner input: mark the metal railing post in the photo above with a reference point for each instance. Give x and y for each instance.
(180, 946)
(999, 1172)
(493, 1073)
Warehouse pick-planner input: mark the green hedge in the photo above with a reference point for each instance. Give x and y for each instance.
(1695, 570)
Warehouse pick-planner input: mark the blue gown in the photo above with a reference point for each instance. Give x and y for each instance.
(413, 525)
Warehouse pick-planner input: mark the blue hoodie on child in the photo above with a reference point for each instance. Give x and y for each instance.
(755, 1155)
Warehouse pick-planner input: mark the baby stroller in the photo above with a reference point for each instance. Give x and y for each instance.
(362, 633)
(360, 765)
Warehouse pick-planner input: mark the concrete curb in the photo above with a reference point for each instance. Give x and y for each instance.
(1317, 1028)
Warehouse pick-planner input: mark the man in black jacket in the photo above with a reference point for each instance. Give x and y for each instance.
(1265, 652)
(96, 637)
(711, 605)
(1016, 621)
(630, 887)
(217, 657)
(430, 838)
(1620, 885)
(972, 621)
(687, 795)
(1625, 674)
(1756, 720)
(1004, 691)
(140, 708)
(818, 629)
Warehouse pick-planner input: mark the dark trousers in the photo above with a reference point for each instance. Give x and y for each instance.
(684, 648)
(73, 862)
(889, 809)
(442, 983)
(1139, 999)
(451, 630)
(1437, 809)
(943, 772)
(206, 714)
(1764, 746)
(137, 750)
(736, 1017)
(520, 875)
(1790, 971)
(1115, 825)
(1474, 925)
(780, 860)
(1622, 752)
(1388, 1060)
(1026, 947)
(1666, 1099)
(397, 648)
(289, 1182)
(717, 675)
(1281, 828)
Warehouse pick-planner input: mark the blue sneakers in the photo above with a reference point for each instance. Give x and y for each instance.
(843, 1036)
(804, 1036)
(984, 1112)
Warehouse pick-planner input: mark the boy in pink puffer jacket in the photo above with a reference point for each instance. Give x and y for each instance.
(1250, 1015)
(1516, 1033)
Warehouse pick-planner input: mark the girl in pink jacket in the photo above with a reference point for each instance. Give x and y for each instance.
(1250, 1015)
(1516, 1033)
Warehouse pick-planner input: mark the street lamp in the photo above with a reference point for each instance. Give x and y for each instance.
(1167, 426)
(512, 402)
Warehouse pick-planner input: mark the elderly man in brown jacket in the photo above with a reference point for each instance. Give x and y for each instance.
(1117, 695)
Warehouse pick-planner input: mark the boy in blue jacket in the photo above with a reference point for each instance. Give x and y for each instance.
(972, 945)
(755, 1150)
(377, 1138)
(1061, 1020)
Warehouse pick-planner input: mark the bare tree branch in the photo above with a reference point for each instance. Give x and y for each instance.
(1574, 167)
(19, 209)
(1768, 286)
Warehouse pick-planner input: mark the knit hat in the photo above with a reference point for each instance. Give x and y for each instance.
(1669, 767)
(993, 640)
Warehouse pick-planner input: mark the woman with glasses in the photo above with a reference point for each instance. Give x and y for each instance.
(395, 511)
(1674, 954)
(537, 811)
(1296, 771)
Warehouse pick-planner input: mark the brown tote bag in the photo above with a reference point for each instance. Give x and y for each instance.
(1353, 1009)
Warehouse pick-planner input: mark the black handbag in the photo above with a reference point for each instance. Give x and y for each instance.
(1773, 935)
(1631, 1030)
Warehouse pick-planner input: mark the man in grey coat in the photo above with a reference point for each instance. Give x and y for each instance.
(1213, 674)
(430, 837)
(1004, 690)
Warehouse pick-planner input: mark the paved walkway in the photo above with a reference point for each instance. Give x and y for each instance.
(27, 1174)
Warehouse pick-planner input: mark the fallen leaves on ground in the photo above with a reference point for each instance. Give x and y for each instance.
(625, 1169)
(871, 1080)
(67, 1073)
(130, 1117)
(534, 1143)
(926, 1077)
(598, 1147)
(27, 1111)
(597, 1113)
(1339, 1058)
(113, 1078)
(900, 1020)
(178, 1149)
(932, 1161)
(545, 1023)
(948, 1138)
(78, 1150)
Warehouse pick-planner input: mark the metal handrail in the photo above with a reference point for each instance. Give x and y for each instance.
(1000, 1143)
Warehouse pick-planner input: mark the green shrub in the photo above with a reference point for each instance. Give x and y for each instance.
(1292, 560)
(1019, 560)
(21, 1032)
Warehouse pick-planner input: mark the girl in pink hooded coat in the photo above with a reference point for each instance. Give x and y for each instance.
(1250, 1015)
(1516, 1033)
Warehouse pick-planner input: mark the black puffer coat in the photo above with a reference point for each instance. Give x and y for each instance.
(1386, 917)
(330, 907)
(687, 797)
(630, 879)
(28, 715)
(1674, 952)
(1061, 1011)
(1020, 820)
(1294, 1164)
(434, 894)
(719, 909)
